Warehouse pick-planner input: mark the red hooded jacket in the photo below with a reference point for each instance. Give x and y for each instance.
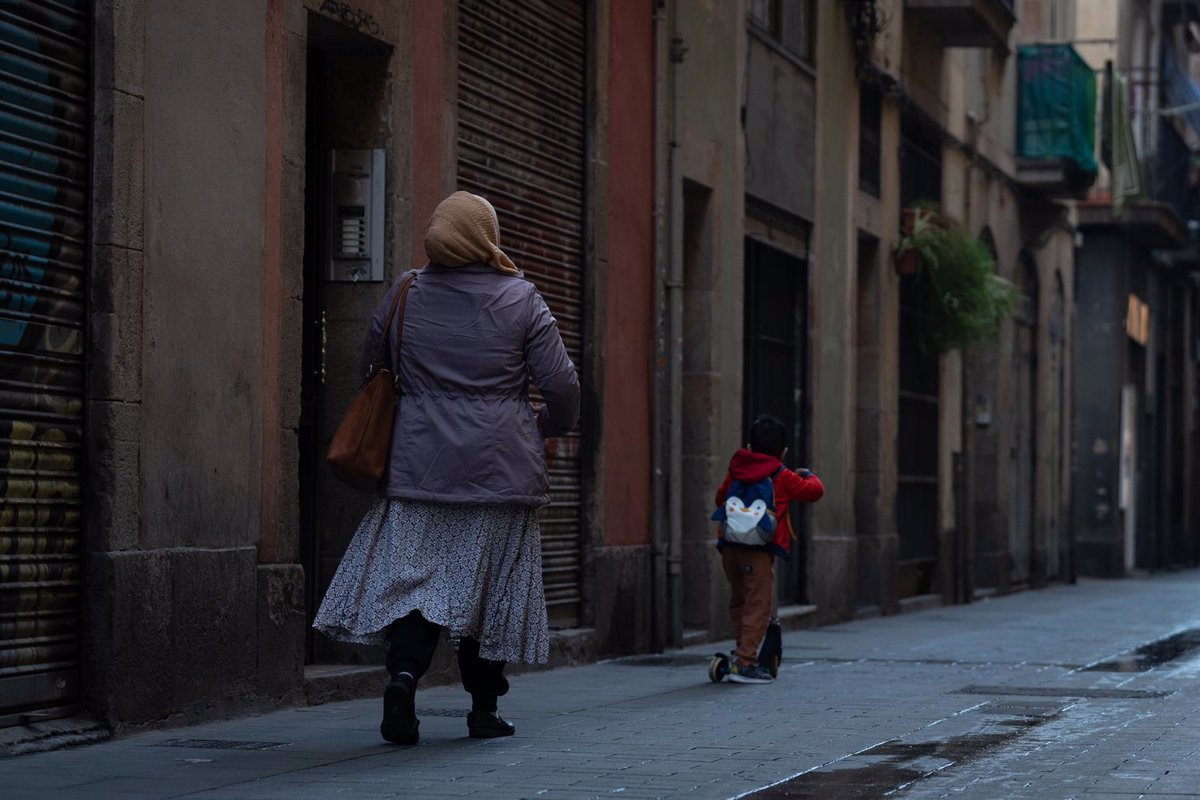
(750, 467)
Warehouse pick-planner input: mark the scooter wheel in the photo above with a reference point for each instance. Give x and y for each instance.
(774, 668)
(718, 668)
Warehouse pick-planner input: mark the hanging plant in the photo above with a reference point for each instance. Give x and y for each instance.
(964, 301)
(867, 21)
(916, 243)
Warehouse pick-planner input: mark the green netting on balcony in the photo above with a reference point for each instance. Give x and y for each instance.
(1056, 113)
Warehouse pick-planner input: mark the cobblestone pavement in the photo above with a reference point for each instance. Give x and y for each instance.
(991, 700)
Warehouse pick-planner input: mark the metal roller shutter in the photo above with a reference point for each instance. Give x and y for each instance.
(522, 144)
(44, 140)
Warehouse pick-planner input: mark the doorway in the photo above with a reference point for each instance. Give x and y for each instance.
(774, 375)
(918, 444)
(917, 449)
(347, 95)
(868, 423)
(1023, 445)
(1174, 396)
(1058, 555)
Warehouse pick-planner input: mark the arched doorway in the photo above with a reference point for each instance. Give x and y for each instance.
(1022, 444)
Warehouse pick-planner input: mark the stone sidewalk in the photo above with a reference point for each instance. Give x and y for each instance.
(991, 700)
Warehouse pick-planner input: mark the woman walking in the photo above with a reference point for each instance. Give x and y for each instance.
(453, 540)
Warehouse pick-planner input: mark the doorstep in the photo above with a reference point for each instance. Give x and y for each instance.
(906, 605)
(791, 618)
(868, 612)
(53, 734)
(333, 683)
(797, 617)
(921, 602)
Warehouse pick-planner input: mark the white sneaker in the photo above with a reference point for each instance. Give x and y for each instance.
(751, 674)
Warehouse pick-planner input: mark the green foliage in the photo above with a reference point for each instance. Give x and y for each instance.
(964, 300)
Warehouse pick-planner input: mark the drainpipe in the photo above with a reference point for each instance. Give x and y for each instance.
(674, 289)
(660, 384)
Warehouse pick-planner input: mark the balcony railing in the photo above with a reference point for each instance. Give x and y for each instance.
(1168, 170)
(1150, 198)
(1167, 174)
(1056, 120)
(966, 23)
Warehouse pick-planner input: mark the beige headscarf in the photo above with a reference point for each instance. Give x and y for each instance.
(464, 229)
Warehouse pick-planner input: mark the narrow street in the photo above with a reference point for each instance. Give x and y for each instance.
(1042, 694)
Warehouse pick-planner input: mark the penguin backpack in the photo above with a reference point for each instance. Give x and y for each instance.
(748, 515)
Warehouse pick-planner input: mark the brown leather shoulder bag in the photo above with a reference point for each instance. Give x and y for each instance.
(358, 452)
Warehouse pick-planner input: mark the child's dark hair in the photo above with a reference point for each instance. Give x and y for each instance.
(768, 435)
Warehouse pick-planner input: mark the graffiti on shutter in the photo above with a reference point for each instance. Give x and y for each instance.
(44, 140)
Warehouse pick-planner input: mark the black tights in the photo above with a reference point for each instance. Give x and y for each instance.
(414, 640)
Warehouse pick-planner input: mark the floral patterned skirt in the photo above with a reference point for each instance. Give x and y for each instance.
(476, 570)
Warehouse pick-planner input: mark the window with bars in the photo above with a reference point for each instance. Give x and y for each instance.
(1062, 20)
(788, 22)
(920, 162)
(870, 111)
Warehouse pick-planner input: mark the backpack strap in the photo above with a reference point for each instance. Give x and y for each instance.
(773, 475)
(787, 511)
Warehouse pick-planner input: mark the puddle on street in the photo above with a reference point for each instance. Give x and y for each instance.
(1152, 655)
(882, 769)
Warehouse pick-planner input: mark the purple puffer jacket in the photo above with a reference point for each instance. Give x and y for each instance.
(464, 430)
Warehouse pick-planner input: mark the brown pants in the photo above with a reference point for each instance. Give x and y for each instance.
(751, 575)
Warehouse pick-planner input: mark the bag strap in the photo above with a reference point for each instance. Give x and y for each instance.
(397, 313)
(787, 512)
(775, 496)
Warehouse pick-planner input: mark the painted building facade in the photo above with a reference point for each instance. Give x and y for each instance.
(1135, 440)
(947, 477)
(258, 172)
(982, 510)
(709, 194)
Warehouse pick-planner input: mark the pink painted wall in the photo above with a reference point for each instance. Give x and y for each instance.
(429, 148)
(629, 286)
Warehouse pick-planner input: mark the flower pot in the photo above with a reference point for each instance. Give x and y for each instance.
(905, 263)
(905, 259)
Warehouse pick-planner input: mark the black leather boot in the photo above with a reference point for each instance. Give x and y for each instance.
(400, 724)
(488, 725)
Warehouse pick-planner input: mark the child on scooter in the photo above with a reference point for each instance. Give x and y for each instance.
(752, 506)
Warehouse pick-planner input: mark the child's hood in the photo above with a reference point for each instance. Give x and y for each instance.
(750, 467)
